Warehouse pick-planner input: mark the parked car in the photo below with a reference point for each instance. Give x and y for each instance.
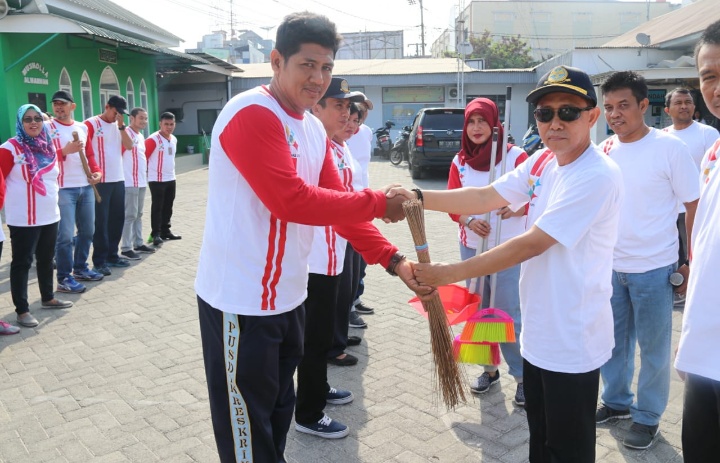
(434, 139)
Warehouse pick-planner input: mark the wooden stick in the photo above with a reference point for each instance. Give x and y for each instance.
(86, 168)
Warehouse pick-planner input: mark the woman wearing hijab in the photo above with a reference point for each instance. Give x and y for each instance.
(29, 165)
(471, 167)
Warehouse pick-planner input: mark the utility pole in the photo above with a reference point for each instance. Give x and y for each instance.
(422, 24)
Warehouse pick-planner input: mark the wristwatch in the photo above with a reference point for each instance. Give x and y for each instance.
(394, 261)
(468, 220)
(122, 127)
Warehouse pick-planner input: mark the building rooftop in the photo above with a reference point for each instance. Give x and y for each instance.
(678, 29)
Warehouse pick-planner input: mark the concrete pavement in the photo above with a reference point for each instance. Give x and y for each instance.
(119, 377)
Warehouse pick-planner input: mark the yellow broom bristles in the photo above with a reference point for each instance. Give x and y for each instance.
(479, 353)
(447, 371)
(489, 331)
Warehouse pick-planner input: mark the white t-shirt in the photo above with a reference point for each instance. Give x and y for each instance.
(698, 138)
(327, 256)
(699, 340)
(658, 173)
(105, 143)
(72, 174)
(468, 176)
(565, 292)
(361, 146)
(134, 161)
(161, 153)
(24, 205)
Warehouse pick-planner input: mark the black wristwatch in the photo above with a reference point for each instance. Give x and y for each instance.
(394, 261)
(122, 127)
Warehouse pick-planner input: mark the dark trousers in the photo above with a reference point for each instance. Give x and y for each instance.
(682, 239)
(349, 280)
(26, 242)
(701, 420)
(561, 414)
(109, 222)
(163, 197)
(361, 282)
(249, 367)
(320, 309)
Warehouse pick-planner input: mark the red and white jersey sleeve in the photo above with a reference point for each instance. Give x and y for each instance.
(328, 248)
(463, 175)
(134, 161)
(105, 143)
(270, 176)
(160, 154)
(24, 206)
(72, 174)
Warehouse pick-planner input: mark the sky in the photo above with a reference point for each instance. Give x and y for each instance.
(190, 19)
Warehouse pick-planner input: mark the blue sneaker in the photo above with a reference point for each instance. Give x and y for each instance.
(326, 428)
(87, 275)
(69, 285)
(118, 263)
(339, 397)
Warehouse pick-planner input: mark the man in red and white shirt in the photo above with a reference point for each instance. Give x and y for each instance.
(160, 150)
(106, 140)
(135, 169)
(271, 175)
(76, 198)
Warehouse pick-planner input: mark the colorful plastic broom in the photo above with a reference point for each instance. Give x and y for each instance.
(489, 325)
(481, 353)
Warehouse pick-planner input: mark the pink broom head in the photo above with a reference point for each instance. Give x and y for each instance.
(479, 353)
(489, 325)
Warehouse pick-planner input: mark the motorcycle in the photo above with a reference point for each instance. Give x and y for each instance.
(531, 141)
(382, 139)
(399, 151)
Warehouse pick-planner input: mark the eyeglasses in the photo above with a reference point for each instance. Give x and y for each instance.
(565, 114)
(28, 120)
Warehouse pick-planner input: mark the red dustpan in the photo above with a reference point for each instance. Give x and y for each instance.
(458, 302)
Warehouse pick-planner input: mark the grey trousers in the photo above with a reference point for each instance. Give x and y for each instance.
(132, 230)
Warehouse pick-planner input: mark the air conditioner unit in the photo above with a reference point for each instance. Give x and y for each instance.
(4, 8)
(453, 93)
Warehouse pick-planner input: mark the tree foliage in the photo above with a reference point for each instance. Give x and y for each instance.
(507, 53)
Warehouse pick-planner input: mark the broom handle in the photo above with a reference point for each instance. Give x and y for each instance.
(503, 167)
(486, 217)
(86, 168)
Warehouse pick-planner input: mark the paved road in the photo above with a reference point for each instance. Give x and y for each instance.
(119, 376)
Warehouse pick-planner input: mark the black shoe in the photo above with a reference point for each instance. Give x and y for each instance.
(157, 241)
(362, 309)
(169, 236)
(144, 249)
(132, 255)
(346, 361)
(353, 341)
(605, 414)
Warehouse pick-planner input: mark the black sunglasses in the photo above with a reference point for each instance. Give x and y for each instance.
(29, 119)
(566, 114)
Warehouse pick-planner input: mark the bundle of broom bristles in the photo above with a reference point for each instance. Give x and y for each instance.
(447, 373)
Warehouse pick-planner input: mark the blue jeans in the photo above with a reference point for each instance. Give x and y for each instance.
(642, 310)
(507, 298)
(77, 208)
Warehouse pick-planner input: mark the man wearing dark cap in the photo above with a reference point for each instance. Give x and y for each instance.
(76, 198)
(574, 193)
(106, 140)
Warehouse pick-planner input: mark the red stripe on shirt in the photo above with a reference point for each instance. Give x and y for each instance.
(278, 263)
(330, 241)
(269, 263)
(58, 149)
